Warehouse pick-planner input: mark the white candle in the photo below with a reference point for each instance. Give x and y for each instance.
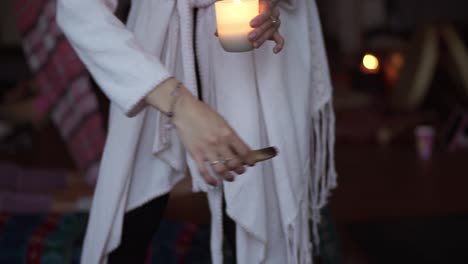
(233, 23)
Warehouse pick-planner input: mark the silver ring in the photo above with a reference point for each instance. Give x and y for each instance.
(217, 162)
(273, 20)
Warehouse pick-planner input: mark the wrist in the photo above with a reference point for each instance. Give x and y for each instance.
(164, 96)
(180, 107)
(171, 97)
(159, 96)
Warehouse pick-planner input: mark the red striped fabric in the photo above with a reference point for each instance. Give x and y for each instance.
(65, 89)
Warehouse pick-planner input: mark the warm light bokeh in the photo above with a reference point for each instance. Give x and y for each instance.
(370, 62)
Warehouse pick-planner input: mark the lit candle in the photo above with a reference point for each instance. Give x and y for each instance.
(233, 22)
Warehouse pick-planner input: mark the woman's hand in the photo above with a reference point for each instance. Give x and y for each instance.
(266, 26)
(209, 139)
(204, 133)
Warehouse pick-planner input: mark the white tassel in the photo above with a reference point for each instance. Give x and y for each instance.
(323, 172)
(332, 176)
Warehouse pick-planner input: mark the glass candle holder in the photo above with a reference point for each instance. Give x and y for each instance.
(233, 23)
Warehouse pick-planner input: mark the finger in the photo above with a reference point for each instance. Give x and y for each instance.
(275, 12)
(203, 169)
(233, 163)
(264, 6)
(279, 40)
(258, 32)
(261, 18)
(217, 164)
(274, 3)
(228, 176)
(267, 35)
(240, 170)
(241, 150)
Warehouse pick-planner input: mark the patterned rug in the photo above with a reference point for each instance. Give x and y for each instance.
(58, 238)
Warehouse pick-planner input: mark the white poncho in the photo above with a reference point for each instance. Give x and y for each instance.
(270, 100)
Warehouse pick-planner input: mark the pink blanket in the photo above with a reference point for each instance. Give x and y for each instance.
(65, 90)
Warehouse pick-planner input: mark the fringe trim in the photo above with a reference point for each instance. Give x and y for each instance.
(318, 185)
(324, 177)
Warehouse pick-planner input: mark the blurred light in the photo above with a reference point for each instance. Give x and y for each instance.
(370, 63)
(397, 60)
(392, 67)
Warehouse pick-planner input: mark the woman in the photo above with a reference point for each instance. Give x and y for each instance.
(250, 100)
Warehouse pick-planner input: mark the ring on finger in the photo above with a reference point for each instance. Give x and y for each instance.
(222, 161)
(274, 20)
(217, 162)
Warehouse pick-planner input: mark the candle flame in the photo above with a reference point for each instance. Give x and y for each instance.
(237, 1)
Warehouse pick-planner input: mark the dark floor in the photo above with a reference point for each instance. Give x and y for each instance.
(414, 240)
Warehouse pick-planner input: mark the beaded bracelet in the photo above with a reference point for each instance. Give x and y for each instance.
(175, 94)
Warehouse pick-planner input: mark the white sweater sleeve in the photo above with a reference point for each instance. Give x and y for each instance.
(120, 66)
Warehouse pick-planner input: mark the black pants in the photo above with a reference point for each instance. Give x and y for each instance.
(139, 227)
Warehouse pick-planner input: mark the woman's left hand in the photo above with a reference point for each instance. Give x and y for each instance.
(266, 26)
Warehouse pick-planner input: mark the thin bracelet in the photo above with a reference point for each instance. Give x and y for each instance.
(175, 94)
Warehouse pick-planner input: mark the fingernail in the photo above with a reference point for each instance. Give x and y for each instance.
(254, 23)
(252, 35)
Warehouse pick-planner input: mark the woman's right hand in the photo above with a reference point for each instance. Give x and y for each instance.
(208, 138)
